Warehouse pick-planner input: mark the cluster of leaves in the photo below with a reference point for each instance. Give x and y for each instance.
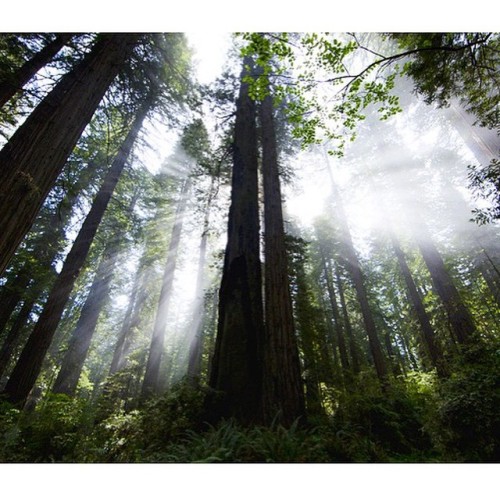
(228, 442)
(464, 422)
(313, 75)
(51, 433)
(463, 65)
(485, 183)
(383, 427)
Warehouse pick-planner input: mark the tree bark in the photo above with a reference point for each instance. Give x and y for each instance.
(429, 337)
(20, 77)
(44, 247)
(490, 274)
(460, 321)
(30, 362)
(283, 391)
(195, 347)
(353, 267)
(151, 383)
(131, 321)
(339, 327)
(347, 323)
(79, 344)
(35, 155)
(14, 336)
(237, 361)
(12, 294)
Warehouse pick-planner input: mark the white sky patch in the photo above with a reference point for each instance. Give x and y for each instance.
(209, 53)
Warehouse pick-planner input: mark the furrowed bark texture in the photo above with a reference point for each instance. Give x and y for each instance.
(283, 391)
(35, 155)
(237, 361)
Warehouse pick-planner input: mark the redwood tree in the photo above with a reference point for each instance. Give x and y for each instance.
(35, 155)
(151, 382)
(79, 344)
(30, 362)
(236, 369)
(14, 82)
(282, 385)
(353, 267)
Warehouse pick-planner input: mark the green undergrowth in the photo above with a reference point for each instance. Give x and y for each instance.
(418, 419)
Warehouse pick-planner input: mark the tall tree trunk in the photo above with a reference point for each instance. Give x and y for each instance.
(429, 337)
(459, 318)
(14, 335)
(118, 353)
(45, 246)
(195, 348)
(237, 361)
(11, 295)
(79, 344)
(353, 349)
(151, 382)
(196, 345)
(490, 274)
(35, 155)
(132, 320)
(282, 390)
(339, 327)
(30, 362)
(353, 267)
(316, 362)
(20, 77)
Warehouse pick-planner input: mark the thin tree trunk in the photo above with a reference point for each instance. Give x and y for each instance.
(35, 155)
(429, 337)
(12, 294)
(79, 344)
(30, 362)
(20, 77)
(125, 331)
(196, 345)
(490, 274)
(339, 330)
(353, 267)
(282, 390)
(237, 361)
(314, 351)
(151, 383)
(14, 336)
(483, 142)
(460, 320)
(195, 348)
(347, 323)
(212, 330)
(130, 325)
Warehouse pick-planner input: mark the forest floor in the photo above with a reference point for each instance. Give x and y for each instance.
(421, 420)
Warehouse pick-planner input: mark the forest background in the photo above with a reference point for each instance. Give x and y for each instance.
(456, 481)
